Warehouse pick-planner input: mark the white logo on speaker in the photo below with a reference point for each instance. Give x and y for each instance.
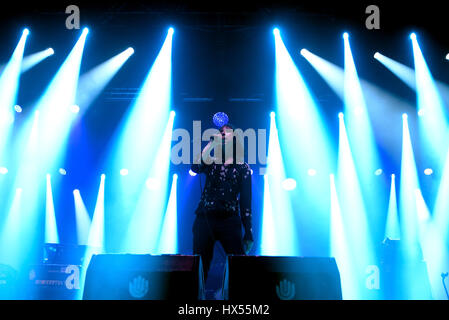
(372, 281)
(285, 290)
(138, 287)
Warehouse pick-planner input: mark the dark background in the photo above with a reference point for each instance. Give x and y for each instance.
(222, 51)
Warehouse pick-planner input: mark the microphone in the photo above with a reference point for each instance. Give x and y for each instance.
(220, 119)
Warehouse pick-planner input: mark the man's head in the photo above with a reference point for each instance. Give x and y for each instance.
(227, 132)
(232, 143)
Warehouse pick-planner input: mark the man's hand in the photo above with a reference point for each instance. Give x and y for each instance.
(247, 245)
(217, 139)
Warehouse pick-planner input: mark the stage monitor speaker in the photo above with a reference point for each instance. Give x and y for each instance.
(144, 277)
(54, 282)
(263, 278)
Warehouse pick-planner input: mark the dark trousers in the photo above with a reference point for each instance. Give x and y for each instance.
(209, 229)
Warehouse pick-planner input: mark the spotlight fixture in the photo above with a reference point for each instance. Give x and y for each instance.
(289, 184)
(3, 170)
(18, 108)
(378, 172)
(124, 172)
(276, 31)
(413, 36)
(428, 171)
(345, 35)
(74, 108)
(192, 173)
(26, 31)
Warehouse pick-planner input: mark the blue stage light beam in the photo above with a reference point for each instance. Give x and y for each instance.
(286, 241)
(51, 228)
(354, 212)
(95, 237)
(54, 106)
(411, 248)
(378, 101)
(339, 246)
(392, 229)
(91, 83)
(168, 243)
(10, 238)
(301, 125)
(331, 73)
(144, 229)
(143, 125)
(434, 121)
(9, 84)
(137, 146)
(422, 214)
(268, 245)
(22, 223)
(441, 207)
(433, 246)
(38, 145)
(406, 74)
(361, 137)
(298, 113)
(347, 85)
(82, 218)
(96, 231)
(33, 59)
(407, 206)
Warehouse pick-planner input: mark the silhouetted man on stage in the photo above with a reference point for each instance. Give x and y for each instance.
(226, 194)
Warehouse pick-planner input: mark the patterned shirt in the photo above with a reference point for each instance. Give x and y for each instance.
(228, 189)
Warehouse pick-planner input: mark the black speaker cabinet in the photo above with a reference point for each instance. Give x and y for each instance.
(144, 277)
(266, 278)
